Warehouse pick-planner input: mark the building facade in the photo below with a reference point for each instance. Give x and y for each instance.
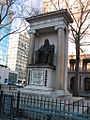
(3, 50)
(4, 43)
(53, 5)
(84, 73)
(18, 53)
(7, 75)
(5, 27)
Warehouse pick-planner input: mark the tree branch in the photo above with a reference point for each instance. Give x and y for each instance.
(82, 34)
(72, 14)
(71, 40)
(85, 18)
(54, 4)
(14, 32)
(8, 5)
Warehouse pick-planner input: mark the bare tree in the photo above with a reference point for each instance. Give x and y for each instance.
(79, 30)
(80, 12)
(7, 17)
(14, 11)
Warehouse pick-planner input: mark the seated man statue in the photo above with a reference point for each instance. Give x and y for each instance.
(44, 55)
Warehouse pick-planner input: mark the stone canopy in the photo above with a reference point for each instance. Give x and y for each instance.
(49, 20)
(54, 27)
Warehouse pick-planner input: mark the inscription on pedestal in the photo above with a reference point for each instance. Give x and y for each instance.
(37, 77)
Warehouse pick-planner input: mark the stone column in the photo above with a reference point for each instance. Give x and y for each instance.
(65, 58)
(31, 47)
(61, 60)
(30, 52)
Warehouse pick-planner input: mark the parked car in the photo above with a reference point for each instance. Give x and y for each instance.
(9, 82)
(20, 83)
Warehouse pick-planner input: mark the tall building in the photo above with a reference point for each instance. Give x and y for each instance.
(7, 75)
(3, 45)
(84, 73)
(3, 50)
(18, 53)
(52, 5)
(3, 31)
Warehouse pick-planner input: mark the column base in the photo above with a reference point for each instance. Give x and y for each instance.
(41, 90)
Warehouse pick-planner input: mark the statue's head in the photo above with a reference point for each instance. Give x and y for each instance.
(46, 42)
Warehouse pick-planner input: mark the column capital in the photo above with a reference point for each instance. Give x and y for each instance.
(31, 32)
(60, 27)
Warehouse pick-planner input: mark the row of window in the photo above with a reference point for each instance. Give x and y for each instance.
(86, 84)
(85, 64)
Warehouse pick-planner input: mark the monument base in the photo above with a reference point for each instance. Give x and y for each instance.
(49, 92)
(42, 90)
(41, 81)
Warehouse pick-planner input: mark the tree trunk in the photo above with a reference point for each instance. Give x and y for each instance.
(76, 81)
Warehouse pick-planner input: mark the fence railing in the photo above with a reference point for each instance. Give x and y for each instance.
(5, 87)
(39, 106)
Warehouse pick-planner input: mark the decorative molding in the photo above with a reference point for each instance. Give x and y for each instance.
(42, 66)
(31, 32)
(61, 27)
(60, 13)
(45, 21)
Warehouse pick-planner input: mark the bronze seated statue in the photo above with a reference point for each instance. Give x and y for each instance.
(44, 55)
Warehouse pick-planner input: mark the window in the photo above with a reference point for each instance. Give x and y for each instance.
(87, 84)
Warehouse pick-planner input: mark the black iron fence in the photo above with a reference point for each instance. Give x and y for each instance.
(40, 107)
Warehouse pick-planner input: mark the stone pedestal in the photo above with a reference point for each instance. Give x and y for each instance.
(42, 80)
(41, 75)
(45, 91)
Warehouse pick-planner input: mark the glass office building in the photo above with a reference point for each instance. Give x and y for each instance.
(3, 50)
(4, 42)
(3, 45)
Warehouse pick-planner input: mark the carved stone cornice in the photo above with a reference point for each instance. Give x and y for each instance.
(31, 32)
(55, 14)
(61, 27)
(49, 20)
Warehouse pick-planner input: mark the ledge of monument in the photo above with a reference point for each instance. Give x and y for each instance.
(42, 66)
(38, 87)
(41, 90)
